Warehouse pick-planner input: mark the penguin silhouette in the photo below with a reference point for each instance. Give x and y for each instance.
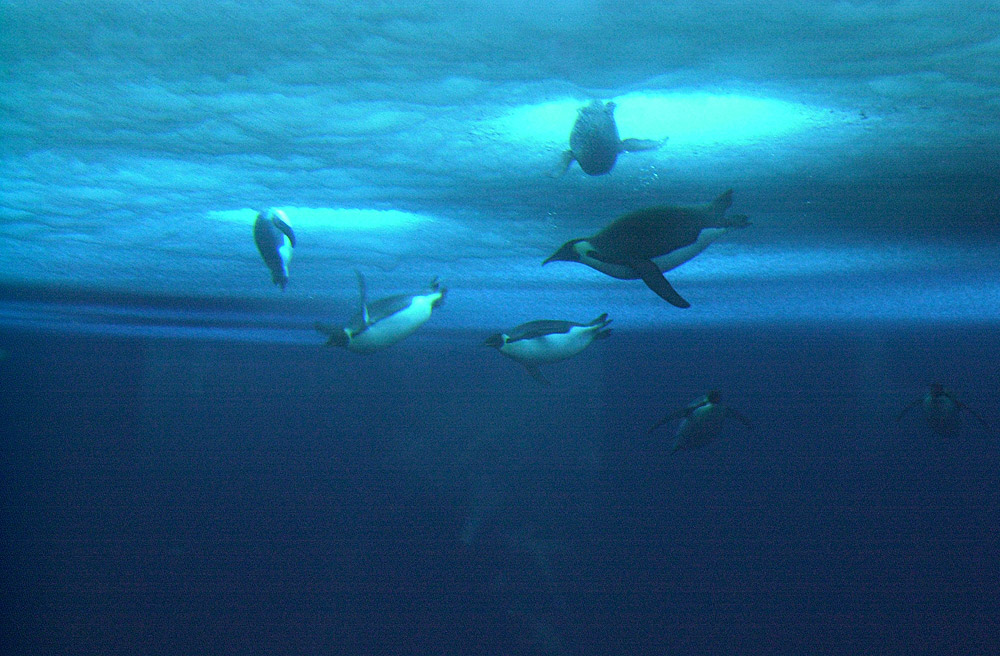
(942, 410)
(645, 243)
(544, 341)
(272, 232)
(701, 421)
(383, 322)
(594, 142)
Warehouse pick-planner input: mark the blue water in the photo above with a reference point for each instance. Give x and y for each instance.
(187, 470)
(171, 496)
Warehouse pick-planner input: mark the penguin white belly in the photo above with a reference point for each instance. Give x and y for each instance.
(550, 348)
(941, 414)
(620, 271)
(394, 327)
(285, 252)
(700, 427)
(674, 259)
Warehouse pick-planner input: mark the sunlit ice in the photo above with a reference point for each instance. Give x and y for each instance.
(688, 120)
(333, 219)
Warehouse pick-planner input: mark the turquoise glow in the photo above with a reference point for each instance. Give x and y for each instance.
(688, 120)
(332, 219)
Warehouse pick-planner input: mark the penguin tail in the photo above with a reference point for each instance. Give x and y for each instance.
(279, 278)
(560, 169)
(601, 320)
(722, 203)
(658, 424)
(737, 221)
(436, 286)
(336, 336)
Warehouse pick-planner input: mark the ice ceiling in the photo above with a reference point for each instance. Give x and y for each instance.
(412, 139)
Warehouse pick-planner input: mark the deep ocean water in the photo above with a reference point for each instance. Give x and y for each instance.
(188, 470)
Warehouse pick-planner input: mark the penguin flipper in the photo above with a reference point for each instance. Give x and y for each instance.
(975, 416)
(563, 165)
(286, 230)
(680, 413)
(537, 375)
(362, 293)
(653, 277)
(659, 423)
(638, 145)
(739, 417)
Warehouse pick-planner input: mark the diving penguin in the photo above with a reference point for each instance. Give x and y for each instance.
(701, 421)
(594, 142)
(941, 410)
(385, 321)
(645, 243)
(544, 341)
(275, 240)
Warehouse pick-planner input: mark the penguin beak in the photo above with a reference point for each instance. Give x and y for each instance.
(564, 254)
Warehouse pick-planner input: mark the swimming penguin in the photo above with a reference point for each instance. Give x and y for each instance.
(941, 410)
(701, 421)
(594, 142)
(645, 243)
(275, 240)
(385, 321)
(545, 341)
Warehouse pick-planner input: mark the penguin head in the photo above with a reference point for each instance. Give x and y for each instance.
(712, 397)
(571, 251)
(279, 220)
(597, 108)
(496, 340)
(937, 389)
(339, 338)
(336, 336)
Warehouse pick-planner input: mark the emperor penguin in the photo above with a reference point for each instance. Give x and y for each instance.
(383, 322)
(594, 142)
(645, 243)
(942, 410)
(701, 421)
(272, 232)
(545, 341)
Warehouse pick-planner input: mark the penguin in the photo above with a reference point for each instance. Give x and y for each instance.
(701, 421)
(272, 232)
(385, 321)
(594, 142)
(545, 341)
(645, 243)
(941, 410)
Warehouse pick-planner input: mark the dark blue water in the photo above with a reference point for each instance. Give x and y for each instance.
(182, 497)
